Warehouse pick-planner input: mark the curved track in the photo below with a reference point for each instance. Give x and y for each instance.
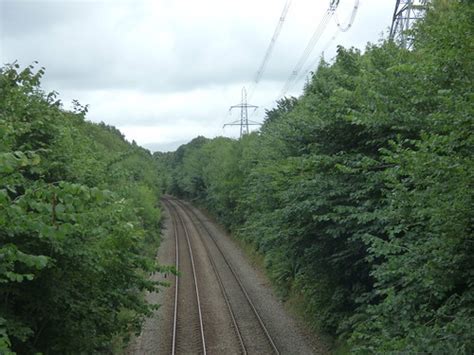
(250, 330)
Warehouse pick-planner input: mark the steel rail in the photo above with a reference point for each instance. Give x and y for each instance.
(244, 291)
(222, 288)
(175, 315)
(195, 285)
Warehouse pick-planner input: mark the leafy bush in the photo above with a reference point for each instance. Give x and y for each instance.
(73, 235)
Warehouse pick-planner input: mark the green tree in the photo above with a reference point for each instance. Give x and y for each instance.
(74, 238)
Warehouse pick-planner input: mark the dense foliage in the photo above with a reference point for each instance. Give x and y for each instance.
(359, 194)
(78, 216)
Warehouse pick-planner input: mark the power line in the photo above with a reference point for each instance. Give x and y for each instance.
(315, 62)
(244, 121)
(294, 77)
(340, 29)
(351, 19)
(309, 48)
(269, 50)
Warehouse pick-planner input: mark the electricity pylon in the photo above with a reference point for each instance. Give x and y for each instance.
(244, 122)
(405, 14)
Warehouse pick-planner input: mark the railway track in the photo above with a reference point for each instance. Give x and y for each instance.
(250, 330)
(188, 326)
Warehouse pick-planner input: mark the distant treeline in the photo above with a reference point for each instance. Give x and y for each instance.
(78, 225)
(360, 193)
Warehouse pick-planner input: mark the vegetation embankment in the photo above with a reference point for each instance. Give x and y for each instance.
(78, 225)
(359, 193)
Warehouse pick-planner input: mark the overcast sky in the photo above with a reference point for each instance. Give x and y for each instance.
(166, 71)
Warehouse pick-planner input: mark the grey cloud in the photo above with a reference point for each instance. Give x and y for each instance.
(20, 18)
(148, 119)
(165, 147)
(95, 55)
(92, 47)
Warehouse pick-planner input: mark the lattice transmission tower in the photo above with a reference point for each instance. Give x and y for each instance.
(244, 121)
(405, 14)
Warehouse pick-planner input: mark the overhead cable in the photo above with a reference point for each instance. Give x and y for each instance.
(340, 28)
(316, 60)
(269, 50)
(351, 20)
(309, 48)
(295, 75)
